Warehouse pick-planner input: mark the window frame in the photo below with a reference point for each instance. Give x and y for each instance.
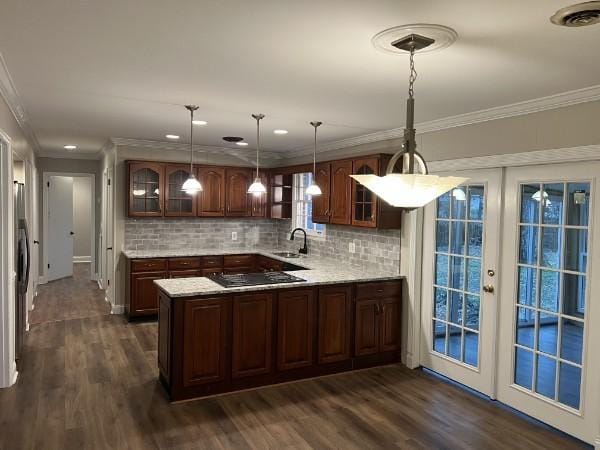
(298, 198)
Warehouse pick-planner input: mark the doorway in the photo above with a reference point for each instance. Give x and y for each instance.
(507, 289)
(68, 224)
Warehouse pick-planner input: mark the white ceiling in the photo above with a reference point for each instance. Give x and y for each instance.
(90, 70)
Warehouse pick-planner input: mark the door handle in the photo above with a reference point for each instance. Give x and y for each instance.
(488, 288)
(108, 248)
(71, 233)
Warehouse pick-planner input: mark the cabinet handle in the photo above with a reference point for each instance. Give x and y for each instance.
(184, 263)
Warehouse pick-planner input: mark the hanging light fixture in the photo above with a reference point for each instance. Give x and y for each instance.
(409, 189)
(257, 188)
(314, 189)
(191, 186)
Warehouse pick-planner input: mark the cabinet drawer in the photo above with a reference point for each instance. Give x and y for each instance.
(238, 270)
(184, 263)
(207, 262)
(147, 265)
(378, 289)
(238, 260)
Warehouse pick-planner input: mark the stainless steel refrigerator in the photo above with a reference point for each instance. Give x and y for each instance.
(22, 263)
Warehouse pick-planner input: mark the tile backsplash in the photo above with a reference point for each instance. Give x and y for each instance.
(374, 249)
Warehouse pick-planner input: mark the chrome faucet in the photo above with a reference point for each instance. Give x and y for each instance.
(303, 250)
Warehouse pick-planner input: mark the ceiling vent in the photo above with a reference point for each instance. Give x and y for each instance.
(579, 15)
(232, 138)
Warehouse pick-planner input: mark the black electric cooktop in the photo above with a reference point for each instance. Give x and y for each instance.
(233, 280)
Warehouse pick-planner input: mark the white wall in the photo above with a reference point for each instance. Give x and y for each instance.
(82, 218)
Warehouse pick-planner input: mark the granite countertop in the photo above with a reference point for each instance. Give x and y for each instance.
(320, 270)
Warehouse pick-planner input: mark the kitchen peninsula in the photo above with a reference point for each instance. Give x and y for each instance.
(214, 339)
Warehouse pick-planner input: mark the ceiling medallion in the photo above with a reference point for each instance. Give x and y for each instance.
(443, 37)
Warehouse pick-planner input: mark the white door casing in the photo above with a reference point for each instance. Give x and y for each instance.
(109, 238)
(60, 227)
(530, 396)
(474, 370)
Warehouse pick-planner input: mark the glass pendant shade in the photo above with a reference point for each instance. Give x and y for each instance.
(313, 189)
(408, 191)
(257, 187)
(191, 185)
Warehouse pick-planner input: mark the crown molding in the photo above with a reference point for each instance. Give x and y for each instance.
(159, 145)
(12, 98)
(555, 101)
(551, 156)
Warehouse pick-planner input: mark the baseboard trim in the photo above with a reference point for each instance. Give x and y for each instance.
(82, 259)
(117, 309)
(597, 443)
(94, 277)
(42, 280)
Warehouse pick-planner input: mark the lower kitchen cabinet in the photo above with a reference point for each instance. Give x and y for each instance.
(190, 273)
(206, 327)
(335, 324)
(295, 330)
(144, 293)
(377, 325)
(252, 334)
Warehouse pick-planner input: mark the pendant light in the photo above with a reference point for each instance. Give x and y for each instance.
(191, 186)
(314, 189)
(257, 188)
(409, 189)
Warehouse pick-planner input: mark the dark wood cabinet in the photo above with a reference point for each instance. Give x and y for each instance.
(281, 195)
(237, 199)
(265, 264)
(390, 324)
(341, 192)
(334, 323)
(211, 201)
(366, 337)
(295, 318)
(178, 203)
(189, 273)
(205, 331)
(321, 203)
(364, 202)
(144, 293)
(252, 335)
(146, 189)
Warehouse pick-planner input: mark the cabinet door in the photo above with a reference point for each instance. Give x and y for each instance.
(366, 337)
(281, 195)
(335, 319)
(364, 201)
(237, 182)
(259, 201)
(190, 273)
(205, 341)
(177, 202)
(390, 324)
(144, 293)
(211, 201)
(252, 333)
(295, 329)
(341, 192)
(320, 203)
(146, 189)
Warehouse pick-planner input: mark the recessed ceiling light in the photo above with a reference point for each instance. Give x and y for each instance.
(280, 131)
(199, 122)
(70, 147)
(242, 144)
(171, 136)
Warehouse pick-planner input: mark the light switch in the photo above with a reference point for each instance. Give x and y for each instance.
(234, 235)
(352, 247)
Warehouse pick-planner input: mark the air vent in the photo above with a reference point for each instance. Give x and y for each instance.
(579, 15)
(233, 138)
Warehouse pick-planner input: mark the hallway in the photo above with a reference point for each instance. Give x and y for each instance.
(91, 382)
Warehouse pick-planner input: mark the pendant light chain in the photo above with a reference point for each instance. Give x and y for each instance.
(257, 143)
(413, 74)
(191, 141)
(315, 154)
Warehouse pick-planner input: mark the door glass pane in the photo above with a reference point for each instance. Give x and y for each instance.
(549, 334)
(458, 264)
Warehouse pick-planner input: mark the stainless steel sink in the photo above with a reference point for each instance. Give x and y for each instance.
(287, 254)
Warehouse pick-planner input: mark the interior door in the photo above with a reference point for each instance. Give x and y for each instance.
(108, 238)
(60, 227)
(549, 319)
(459, 309)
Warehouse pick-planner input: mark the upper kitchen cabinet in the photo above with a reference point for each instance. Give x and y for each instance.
(178, 203)
(146, 189)
(341, 193)
(320, 203)
(281, 195)
(211, 201)
(238, 203)
(364, 202)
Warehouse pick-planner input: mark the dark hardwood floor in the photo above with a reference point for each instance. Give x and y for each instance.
(92, 383)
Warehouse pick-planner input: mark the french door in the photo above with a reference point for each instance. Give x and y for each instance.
(460, 253)
(550, 308)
